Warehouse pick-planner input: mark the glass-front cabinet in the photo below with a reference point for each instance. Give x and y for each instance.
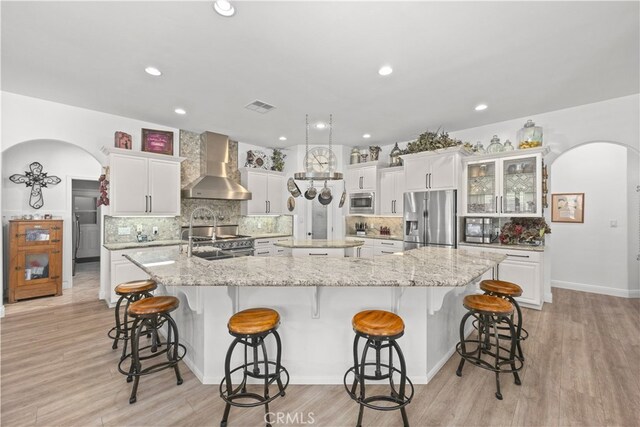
(35, 259)
(504, 186)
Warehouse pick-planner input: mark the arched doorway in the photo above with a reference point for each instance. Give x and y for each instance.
(598, 255)
(63, 159)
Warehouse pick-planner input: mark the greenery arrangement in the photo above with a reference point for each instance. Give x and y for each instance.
(277, 160)
(429, 141)
(524, 230)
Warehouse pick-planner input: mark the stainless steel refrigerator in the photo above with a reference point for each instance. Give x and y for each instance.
(430, 219)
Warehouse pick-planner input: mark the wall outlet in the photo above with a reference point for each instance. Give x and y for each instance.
(139, 228)
(124, 231)
(155, 231)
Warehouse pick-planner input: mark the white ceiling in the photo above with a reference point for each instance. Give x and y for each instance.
(520, 58)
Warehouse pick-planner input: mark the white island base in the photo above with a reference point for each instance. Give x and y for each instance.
(316, 332)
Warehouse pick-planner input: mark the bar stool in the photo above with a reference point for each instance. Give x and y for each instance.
(381, 329)
(508, 291)
(250, 328)
(129, 292)
(489, 311)
(150, 314)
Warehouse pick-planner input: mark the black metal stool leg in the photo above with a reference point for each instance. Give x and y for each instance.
(173, 357)
(361, 381)
(403, 381)
(227, 377)
(118, 327)
(356, 364)
(135, 359)
(518, 327)
(463, 346)
(497, 362)
(278, 362)
(266, 381)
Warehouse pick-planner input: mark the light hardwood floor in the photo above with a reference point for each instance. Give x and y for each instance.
(582, 368)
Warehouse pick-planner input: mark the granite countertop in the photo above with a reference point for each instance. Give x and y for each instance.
(269, 235)
(376, 236)
(324, 244)
(498, 245)
(428, 266)
(133, 245)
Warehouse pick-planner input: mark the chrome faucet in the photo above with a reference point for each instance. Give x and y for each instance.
(213, 215)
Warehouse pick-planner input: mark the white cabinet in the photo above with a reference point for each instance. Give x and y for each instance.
(524, 268)
(504, 185)
(266, 247)
(318, 252)
(364, 251)
(361, 178)
(144, 186)
(391, 191)
(432, 171)
(122, 270)
(387, 247)
(267, 192)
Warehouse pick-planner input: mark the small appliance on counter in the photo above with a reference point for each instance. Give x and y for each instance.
(480, 230)
(361, 228)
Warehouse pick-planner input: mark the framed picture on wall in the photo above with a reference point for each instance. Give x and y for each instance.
(157, 141)
(123, 140)
(567, 207)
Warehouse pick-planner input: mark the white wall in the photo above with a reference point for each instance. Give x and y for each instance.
(63, 160)
(592, 256)
(633, 209)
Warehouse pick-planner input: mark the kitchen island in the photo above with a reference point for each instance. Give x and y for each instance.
(316, 301)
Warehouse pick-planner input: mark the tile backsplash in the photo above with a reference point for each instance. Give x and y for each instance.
(250, 225)
(374, 223)
(168, 228)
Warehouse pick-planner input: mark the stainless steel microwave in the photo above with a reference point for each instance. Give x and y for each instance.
(480, 230)
(362, 203)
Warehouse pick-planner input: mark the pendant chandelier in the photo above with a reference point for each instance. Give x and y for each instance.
(320, 162)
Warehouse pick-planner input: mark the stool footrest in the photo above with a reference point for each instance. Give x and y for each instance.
(474, 359)
(394, 395)
(154, 368)
(229, 397)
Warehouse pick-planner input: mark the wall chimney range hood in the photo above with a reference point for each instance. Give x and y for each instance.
(215, 184)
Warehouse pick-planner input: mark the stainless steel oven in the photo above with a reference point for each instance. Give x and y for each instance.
(362, 203)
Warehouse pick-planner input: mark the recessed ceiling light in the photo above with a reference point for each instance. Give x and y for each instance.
(153, 71)
(366, 135)
(283, 138)
(385, 70)
(180, 111)
(481, 107)
(224, 8)
(320, 125)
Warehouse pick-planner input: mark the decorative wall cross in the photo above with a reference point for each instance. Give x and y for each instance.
(36, 179)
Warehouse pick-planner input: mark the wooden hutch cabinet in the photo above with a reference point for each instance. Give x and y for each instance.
(35, 258)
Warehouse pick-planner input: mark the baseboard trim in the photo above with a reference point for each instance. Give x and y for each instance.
(548, 298)
(595, 289)
(1, 311)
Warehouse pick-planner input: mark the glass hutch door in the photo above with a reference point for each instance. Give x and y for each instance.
(520, 186)
(481, 188)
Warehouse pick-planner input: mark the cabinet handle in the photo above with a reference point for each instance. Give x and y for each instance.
(502, 209)
(386, 243)
(519, 256)
(263, 253)
(386, 252)
(146, 203)
(55, 241)
(150, 204)
(55, 228)
(360, 182)
(318, 254)
(496, 204)
(426, 180)
(264, 241)
(269, 201)
(266, 207)
(17, 268)
(358, 252)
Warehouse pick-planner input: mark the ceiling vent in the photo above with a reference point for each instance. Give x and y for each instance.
(259, 107)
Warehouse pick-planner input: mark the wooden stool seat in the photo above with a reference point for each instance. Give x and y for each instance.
(154, 305)
(378, 323)
(500, 287)
(254, 321)
(136, 286)
(487, 304)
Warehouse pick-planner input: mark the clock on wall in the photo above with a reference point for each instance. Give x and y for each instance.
(320, 159)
